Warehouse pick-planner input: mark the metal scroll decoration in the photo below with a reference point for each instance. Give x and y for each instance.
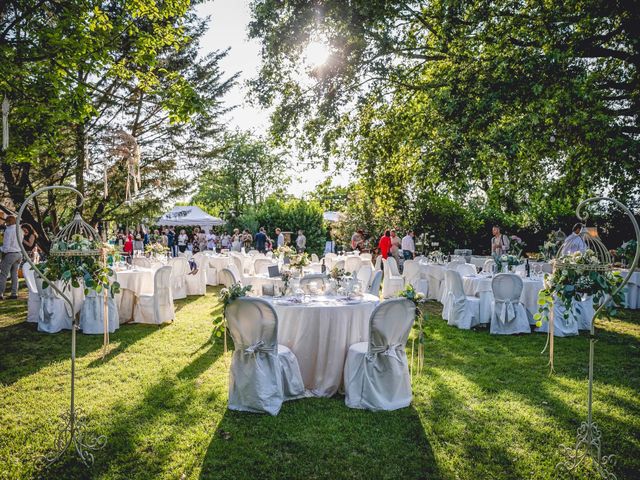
(588, 446)
(72, 433)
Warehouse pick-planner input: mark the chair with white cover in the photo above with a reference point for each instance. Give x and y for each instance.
(179, 277)
(352, 264)
(33, 302)
(228, 276)
(435, 279)
(364, 274)
(263, 374)
(378, 265)
(412, 273)
(376, 373)
(142, 262)
(457, 259)
(196, 280)
(374, 289)
(488, 265)
(239, 264)
(320, 279)
(393, 281)
(329, 259)
(459, 310)
(466, 269)
(156, 307)
(212, 271)
(366, 256)
(92, 314)
(314, 258)
(261, 266)
(55, 314)
(269, 254)
(253, 252)
(508, 316)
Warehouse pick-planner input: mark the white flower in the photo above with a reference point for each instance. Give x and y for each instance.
(504, 258)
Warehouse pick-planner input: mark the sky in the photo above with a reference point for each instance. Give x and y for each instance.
(228, 29)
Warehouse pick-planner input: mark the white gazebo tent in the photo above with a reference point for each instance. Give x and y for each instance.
(182, 216)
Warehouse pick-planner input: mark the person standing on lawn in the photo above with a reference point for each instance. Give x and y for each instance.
(11, 258)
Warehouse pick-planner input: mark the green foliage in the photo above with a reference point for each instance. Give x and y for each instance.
(288, 215)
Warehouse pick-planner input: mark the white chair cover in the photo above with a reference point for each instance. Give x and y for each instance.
(412, 273)
(366, 257)
(178, 277)
(478, 262)
(466, 269)
(352, 264)
(212, 272)
(238, 276)
(376, 373)
(378, 265)
(263, 374)
(53, 315)
(156, 308)
(261, 266)
(142, 262)
(239, 264)
(393, 282)
(457, 259)
(435, 278)
(508, 315)
(33, 302)
(228, 277)
(314, 258)
(269, 254)
(488, 265)
(92, 314)
(196, 283)
(458, 309)
(320, 279)
(374, 289)
(364, 275)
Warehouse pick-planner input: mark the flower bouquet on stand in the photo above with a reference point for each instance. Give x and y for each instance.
(298, 262)
(417, 334)
(516, 246)
(157, 251)
(505, 263)
(227, 296)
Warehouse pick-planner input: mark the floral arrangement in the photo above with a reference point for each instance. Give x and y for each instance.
(573, 283)
(299, 261)
(156, 249)
(627, 251)
(70, 269)
(339, 274)
(284, 250)
(227, 296)
(436, 256)
(506, 261)
(418, 333)
(516, 246)
(113, 253)
(286, 276)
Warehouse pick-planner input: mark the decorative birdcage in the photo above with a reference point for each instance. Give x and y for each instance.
(596, 255)
(77, 239)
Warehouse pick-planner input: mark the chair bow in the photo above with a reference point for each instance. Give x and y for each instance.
(391, 350)
(507, 312)
(258, 347)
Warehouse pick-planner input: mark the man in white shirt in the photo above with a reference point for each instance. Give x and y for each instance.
(408, 246)
(11, 258)
(301, 241)
(280, 241)
(574, 242)
(499, 243)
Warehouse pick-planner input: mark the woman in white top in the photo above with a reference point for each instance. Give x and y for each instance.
(183, 239)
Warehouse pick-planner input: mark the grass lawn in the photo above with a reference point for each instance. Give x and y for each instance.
(484, 408)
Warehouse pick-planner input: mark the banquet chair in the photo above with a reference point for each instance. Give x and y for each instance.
(54, 312)
(314, 258)
(253, 252)
(393, 281)
(178, 277)
(196, 283)
(142, 262)
(366, 256)
(92, 314)
(435, 278)
(508, 316)
(212, 271)
(466, 269)
(238, 277)
(228, 277)
(236, 259)
(320, 279)
(33, 302)
(352, 264)
(378, 265)
(457, 259)
(364, 275)
(329, 259)
(459, 310)
(412, 274)
(261, 266)
(374, 289)
(488, 265)
(376, 373)
(269, 254)
(263, 374)
(156, 307)
(478, 262)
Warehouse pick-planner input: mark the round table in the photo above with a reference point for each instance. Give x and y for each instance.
(320, 333)
(138, 280)
(480, 286)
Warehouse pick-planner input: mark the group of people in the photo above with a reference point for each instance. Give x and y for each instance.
(390, 244)
(133, 243)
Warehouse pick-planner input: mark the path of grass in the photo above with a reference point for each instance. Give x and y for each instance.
(484, 408)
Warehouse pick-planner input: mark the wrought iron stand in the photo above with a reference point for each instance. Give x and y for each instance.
(588, 446)
(72, 431)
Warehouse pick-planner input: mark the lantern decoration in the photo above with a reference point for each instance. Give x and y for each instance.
(587, 450)
(126, 149)
(77, 256)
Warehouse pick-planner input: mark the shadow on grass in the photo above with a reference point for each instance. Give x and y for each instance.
(320, 438)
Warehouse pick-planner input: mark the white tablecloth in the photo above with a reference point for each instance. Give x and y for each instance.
(320, 333)
(632, 289)
(480, 286)
(139, 280)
